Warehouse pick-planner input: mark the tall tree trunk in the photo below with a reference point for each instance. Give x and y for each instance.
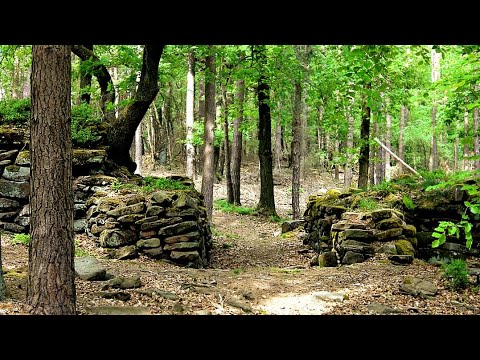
(167, 112)
(85, 79)
(466, 152)
(15, 78)
(138, 149)
(237, 142)
(456, 150)
(266, 204)
(319, 128)
(337, 152)
(435, 67)
(51, 274)
(386, 154)
(189, 115)
(278, 138)
(226, 146)
(296, 150)
(373, 156)
(401, 141)
(476, 143)
(364, 143)
(201, 116)
(348, 175)
(380, 158)
(208, 175)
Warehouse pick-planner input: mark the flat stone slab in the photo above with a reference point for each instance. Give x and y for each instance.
(329, 296)
(401, 259)
(418, 287)
(118, 310)
(376, 308)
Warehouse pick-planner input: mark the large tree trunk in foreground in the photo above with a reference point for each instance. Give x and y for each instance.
(51, 274)
(208, 175)
(122, 127)
(296, 150)
(266, 204)
(364, 144)
(237, 142)
(189, 116)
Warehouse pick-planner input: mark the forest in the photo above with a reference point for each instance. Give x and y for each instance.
(331, 165)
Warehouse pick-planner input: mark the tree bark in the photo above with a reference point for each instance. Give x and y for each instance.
(373, 157)
(455, 153)
(122, 127)
(337, 153)
(226, 146)
(85, 79)
(138, 149)
(3, 288)
(364, 143)
(435, 68)
(401, 141)
(278, 139)
(266, 204)
(348, 175)
(237, 142)
(208, 175)
(476, 143)
(466, 150)
(296, 150)
(189, 116)
(386, 155)
(51, 274)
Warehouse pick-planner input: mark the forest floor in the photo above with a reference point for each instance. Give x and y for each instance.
(254, 269)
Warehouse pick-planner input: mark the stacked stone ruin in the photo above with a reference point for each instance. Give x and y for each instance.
(169, 225)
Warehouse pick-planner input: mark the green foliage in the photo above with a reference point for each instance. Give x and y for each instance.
(277, 219)
(79, 251)
(150, 184)
(238, 271)
(367, 204)
(384, 186)
(408, 203)
(224, 206)
(20, 239)
(432, 178)
(456, 272)
(15, 111)
(83, 117)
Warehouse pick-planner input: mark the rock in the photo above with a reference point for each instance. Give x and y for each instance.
(327, 259)
(352, 257)
(88, 157)
(181, 246)
(239, 304)
(148, 243)
(12, 189)
(148, 234)
(404, 247)
(130, 218)
(356, 246)
(165, 294)
(391, 222)
(89, 268)
(120, 295)
(178, 229)
(8, 204)
(424, 239)
(185, 214)
(409, 230)
(194, 235)
(357, 234)
(154, 210)
(95, 180)
(79, 225)
(108, 203)
(418, 287)
(454, 247)
(413, 241)
(291, 225)
(160, 223)
(123, 283)
(381, 309)
(381, 214)
(184, 200)
(135, 199)
(154, 252)
(389, 248)
(146, 219)
(344, 225)
(5, 216)
(401, 259)
(118, 310)
(125, 253)
(329, 296)
(388, 234)
(178, 307)
(354, 217)
(163, 198)
(126, 210)
(23, 158)
(15, 228)
(184, 255)
(5, 162)
(16, 173)
(314, 260)
(8, 154)
(116, 237)
(202, 312)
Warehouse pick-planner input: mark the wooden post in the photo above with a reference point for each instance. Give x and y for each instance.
(396, 157)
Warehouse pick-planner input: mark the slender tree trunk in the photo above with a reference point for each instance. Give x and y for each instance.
(347, 180)
(266, 204)
(319, 128)
(466, 151)
(388, 140)
(51, 274)
(85, 79)
(364, 144)
(296, 150)
(226, 143)
(15, 78)
(237, 142)
(138, 149)
(278, 139)
(373, 156)
(476, 143)
(189, 115)
(201, 116)
(455, 153)
(337, 152)
(435, 67)
(401, 141)
(167, 112)
(208, 175)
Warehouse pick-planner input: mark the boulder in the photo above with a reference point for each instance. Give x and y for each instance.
(418, 287)
(389, 234)
(401, 259)
(130, 218)
(409, 230)
(381, 309)
(160, 223)
(123, 283)
(191, 236)
(8, 205)
(352, 257)
(389, 223)
(79, 225)
(118, 310)
(148, 243)
(181, 246)
(154, 210)
(184, 255)
(116, 238)
(154, 252)
(162, 198)
(8, 154)
(125, 253)
(327, 259)
(13, 189)
(381, 214)
(291, 225)
(177, 229)
(356, 234)
(404, 247)
(16, 173)
(89, 268)
(126, 210)
(23, 158)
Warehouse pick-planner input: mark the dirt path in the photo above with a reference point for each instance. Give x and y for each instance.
(254, 269)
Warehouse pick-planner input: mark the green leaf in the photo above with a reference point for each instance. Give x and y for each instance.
(452, 231)
(435, 243)
(475, 209)
(437, 235)
(408, 202)
(468, 237)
